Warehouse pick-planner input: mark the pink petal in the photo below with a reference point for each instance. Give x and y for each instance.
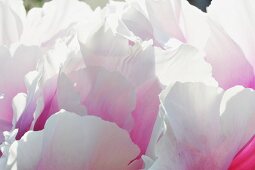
(145, 113)
(245, 159)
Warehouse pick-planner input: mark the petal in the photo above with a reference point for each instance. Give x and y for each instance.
(12, 72)
(145, 113)
(12, 17)
(184, 64)
(4, 126)
(178, 19)
(200, 118)
(26, 117)
(245, 158)
(105, 49)
(237, 116)
(238, 22)
(43, 89)
(96, 145)
(18, 105)
(194, 24)
(163, 15)
(105, 94)
(67, 97)
(44, 24)
(221, 49)
(136, 22)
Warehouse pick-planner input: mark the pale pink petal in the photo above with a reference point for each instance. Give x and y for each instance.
(238, 21)
(12, 72)
(115, 53)
(136, 22)
(73, 142)
(229, 65)
(145, 113)
(42, 98)
(201, 118)
(177, 19)
(105, 94)
(164, 17)
(67, 97)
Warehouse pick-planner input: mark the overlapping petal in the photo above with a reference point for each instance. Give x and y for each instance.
(70, 141)
(206, 126)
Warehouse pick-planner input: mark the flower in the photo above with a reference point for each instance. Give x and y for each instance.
(131, 85)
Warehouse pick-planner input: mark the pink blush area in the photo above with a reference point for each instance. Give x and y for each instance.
(145, 113)
(245, 159)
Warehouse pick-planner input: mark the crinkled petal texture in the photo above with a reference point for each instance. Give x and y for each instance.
(70, 141)
(238, 21)
(12, 15)
(105, 48)
(136, 63)
(206, 126)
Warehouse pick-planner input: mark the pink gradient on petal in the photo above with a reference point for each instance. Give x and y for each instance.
(50, 104)
(50, 107)
(25, 121)
(106, 94)
(245, 159)
(145, 113)
(229, 65)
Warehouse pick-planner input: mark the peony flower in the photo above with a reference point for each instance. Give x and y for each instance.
(85, 85)
(110, 76)
(201, 134)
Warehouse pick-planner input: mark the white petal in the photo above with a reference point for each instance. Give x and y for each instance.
(206, 126)
(12, 14)
(184, 64)
(68, 98)
(238, 21)
(18, 105)
(44, 24)
(73, 142)
(112, 51)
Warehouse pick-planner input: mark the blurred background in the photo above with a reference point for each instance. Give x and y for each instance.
(201, 4)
